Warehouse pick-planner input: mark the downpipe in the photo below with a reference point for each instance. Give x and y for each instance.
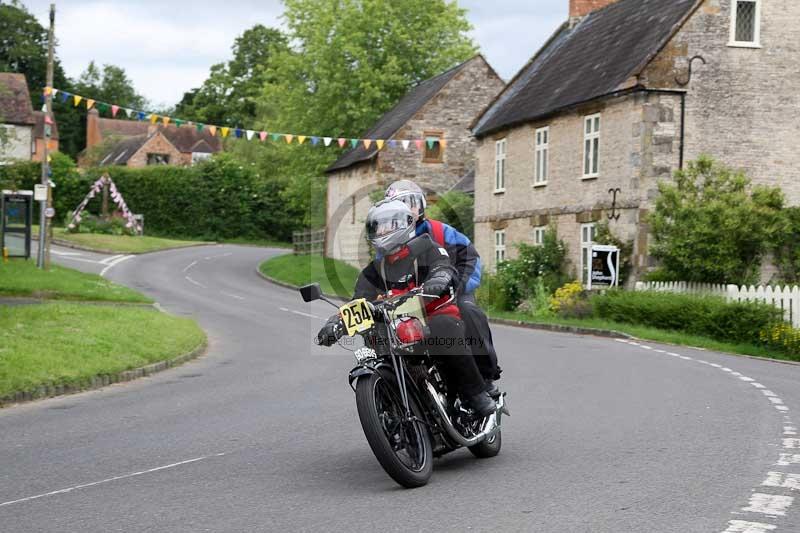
(490, 426)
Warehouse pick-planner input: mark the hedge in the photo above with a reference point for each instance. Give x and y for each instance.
(709, 316)
(218, 199)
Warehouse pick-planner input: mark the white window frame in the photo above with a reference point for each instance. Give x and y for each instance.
(586, 249)
(592, 137)
(756, 43)
(538, 235)
(541, 160)
(500, 150)
(499, 246)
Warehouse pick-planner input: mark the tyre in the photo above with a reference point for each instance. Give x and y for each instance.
(403, 449)
(489, 447)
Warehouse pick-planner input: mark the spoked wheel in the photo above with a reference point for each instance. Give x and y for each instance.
(402, 447)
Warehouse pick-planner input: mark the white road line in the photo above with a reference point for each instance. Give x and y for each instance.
(758, 385)
(64, 254)
(741, 526)
(109, 260)
(190, 265)
(787, 459)
(789, 430)
(775, 400)
(306, 314)
(284, 309)
(715, 365)
(792, 444)
(115, 263)
(769, 504)
(193, 282)
(236, 296)
(767, 392)
(115, 478)
(781, 407)
(783, 481)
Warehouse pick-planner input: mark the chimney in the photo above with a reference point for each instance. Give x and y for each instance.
(580, 8)
(93, 135)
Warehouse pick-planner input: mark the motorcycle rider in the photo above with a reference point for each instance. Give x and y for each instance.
(397, 269)
(467, 262)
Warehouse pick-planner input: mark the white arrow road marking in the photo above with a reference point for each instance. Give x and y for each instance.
(781, 480)
(768, 504)
(740, 526)
(115, 478)
(115, 262)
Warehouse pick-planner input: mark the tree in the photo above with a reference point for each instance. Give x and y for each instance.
(111, 85)
(709, 227)
(456, 209)
(228, 97)
(355, 59)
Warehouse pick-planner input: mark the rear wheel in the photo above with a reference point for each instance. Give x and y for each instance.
(402, 447)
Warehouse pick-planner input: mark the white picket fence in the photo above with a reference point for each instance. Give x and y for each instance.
(786, 298)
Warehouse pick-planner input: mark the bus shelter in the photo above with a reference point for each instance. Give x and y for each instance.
(16, 223)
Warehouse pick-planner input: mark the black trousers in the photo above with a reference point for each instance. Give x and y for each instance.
(479, 336)
(447, 346)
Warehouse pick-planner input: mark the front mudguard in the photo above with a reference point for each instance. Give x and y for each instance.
(366, 369)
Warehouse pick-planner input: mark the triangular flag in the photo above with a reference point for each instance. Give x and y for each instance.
(114, 110)
(288, 138)
(102, 107)
(275, 137)
(55, 92)
(353, 142)
(326, 141)
(48, 91)
(44, 108)
(379, 143)
(165, 120)
(442, 143)
(153, 118)
(430, 143)
(178, 122)
(238, 133)
(141, 115)
(405, 144)
(77, 99)
(64, 98)
(418, 144)
(130, 113)
(250, 134)
(301, 139)
(48, 120)
(263, 136)
(341, 142)
(225, 132)
(392, 143)
(367, 143)
(314, 141)
(89, 104)
(212, 130)
(199, 126)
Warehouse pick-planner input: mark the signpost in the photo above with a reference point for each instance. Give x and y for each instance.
(604, 269)
(43, 257)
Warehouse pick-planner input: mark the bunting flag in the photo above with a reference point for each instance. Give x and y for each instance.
(116, 196)
(239, 133)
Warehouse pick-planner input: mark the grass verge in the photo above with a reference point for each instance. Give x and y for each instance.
(122, 244)
(69, 343)
(19, 277)
(651, 334)
(336, 278)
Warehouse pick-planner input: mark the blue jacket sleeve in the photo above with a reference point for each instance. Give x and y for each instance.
(465, 259)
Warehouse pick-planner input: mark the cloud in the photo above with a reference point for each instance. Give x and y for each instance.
(167, 47)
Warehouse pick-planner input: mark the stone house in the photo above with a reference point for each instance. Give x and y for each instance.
(442, 107)
(621, 96)
(138, 143)
(24, 127)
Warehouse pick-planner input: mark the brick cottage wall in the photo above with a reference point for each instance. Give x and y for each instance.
(450, 114)
(158, 144)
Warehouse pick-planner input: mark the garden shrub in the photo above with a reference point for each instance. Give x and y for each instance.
(782, 337)
(708, 316)
(565, 297)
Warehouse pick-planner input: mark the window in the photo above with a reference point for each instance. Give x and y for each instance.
(745, 23)
(157, 159)
(542, 152)
(588, 234)
(197, 157)
(500, 166)
(538, 235)
(33, 146)
(433, 150)
(591, 146)
(499, 246)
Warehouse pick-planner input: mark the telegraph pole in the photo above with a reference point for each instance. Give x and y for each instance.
(43, 258)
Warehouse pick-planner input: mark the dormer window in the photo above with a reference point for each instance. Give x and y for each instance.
(746, 23)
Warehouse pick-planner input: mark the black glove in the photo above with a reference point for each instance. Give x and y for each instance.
(331, 332)
(438, 284)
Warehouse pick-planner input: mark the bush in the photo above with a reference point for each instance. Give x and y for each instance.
(782, 337)
(93, 224)
(708, 316)
(456, 209)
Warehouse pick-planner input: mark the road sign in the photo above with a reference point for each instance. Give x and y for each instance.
(604, 270)
(40, 193)
(49, 212)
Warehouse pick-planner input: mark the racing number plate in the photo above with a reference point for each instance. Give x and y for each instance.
(356, 316)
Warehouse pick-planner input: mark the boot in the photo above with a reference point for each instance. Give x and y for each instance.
(482, 404)
(492, 389)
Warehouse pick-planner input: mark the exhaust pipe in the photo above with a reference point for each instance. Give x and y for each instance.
(490, 426)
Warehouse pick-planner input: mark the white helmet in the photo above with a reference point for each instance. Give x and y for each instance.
(410, 194)
(390, 225)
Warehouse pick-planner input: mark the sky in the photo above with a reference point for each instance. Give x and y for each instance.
(168, 46)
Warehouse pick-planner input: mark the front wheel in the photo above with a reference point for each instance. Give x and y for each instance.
(403, 448)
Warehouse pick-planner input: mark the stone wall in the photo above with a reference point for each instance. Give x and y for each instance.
(741, 105)
(449, 114)
(18, 143)
(158, 144)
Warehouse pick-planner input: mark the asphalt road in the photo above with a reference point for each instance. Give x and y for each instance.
(261, 434)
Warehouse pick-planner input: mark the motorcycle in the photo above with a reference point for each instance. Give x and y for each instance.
(407, 412)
